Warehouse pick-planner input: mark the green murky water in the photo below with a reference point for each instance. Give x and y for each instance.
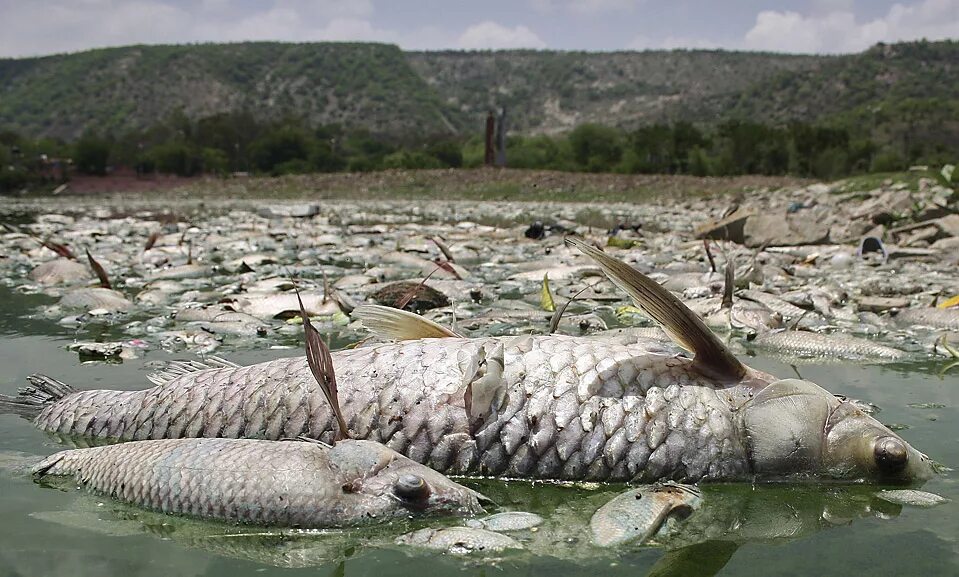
(779, 530)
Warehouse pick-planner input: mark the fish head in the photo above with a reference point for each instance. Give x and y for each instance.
(381, 479)
(795, 427)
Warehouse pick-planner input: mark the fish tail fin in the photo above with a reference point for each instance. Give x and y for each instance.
(31, 400)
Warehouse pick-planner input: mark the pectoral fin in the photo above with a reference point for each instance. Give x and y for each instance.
(400, 325)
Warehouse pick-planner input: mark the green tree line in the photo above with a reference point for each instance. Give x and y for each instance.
(232, 143)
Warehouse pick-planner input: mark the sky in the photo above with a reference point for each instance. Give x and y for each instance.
(36, 27)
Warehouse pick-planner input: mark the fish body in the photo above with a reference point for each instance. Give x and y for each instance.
(807, 344)
(930, 317)
(638, 514)
(555, 407)
(59, 271)
(96, 298)
(786, 309)
(551, 407)
(286, 484)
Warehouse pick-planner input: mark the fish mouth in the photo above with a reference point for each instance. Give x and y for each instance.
(462, 500)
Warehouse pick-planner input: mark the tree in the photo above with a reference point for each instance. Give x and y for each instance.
(92, 154)
(280, 146)
(596, 147)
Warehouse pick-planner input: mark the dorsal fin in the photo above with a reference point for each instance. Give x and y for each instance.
(321, 365)
(400, 325)
(176, 369)
(99, 271)
(730, 283)
(712, 358)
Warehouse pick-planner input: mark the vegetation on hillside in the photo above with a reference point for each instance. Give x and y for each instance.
(273, 108)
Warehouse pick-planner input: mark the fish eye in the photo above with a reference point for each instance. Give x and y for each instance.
(411, 488)
(890, 454)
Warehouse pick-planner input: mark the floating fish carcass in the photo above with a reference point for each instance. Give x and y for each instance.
(302, 484)
(551, 407)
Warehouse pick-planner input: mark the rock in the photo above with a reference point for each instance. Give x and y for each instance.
(880, 304)
(729, 228)
(878, 231)
(295, 211)
(91, 350)
(930, 212)
(885, 208)
(898, 252)
(949, 225)
(423, 298)
(920, 236)
(783, 230)
(946, 244)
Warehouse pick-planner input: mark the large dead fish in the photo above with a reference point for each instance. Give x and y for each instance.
(285, 484)
(551, 407)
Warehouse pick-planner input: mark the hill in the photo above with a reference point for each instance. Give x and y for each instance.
(118, 89)
(888, 90)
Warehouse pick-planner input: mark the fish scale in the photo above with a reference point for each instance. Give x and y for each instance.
(582, 421)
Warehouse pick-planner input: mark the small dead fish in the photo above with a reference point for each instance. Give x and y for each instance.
(788, 311)
(96, 298)
(638, 514)
(184, 271)
(238, 328)
(59, 271)
(912, 497)
(460, 540)
(505, 522)
(214, 314)
(807, 344)
(284, 305)
(930, 317)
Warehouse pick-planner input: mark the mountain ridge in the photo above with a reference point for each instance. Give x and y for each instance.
(383, 90)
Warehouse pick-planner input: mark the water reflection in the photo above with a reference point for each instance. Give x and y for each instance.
(702, 545)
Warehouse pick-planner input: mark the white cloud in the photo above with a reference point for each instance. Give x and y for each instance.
(490, 35)
(29, 28)
(837, 30)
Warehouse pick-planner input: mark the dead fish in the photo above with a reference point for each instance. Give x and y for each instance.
(560, 272)
(184, 271)
(506, 522)
(549, 407)
(930, 317)
(911, 497)
(460, 540)
(93, 298)
(214, 314)
(788, 311)
(284, 305)
(238, 328)
(807, 344)
(59, 271)
(287, 484)
(638, 514)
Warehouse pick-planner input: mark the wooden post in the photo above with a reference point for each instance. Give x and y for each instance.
(490, 130)
(501, 140)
